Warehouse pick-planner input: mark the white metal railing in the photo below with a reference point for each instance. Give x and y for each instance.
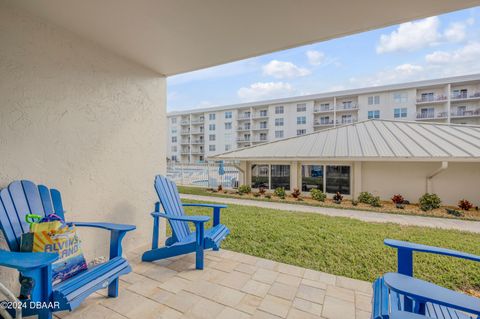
(465, 113)
(203, 174)
(352, 106)
(434, 98)
(322, 109)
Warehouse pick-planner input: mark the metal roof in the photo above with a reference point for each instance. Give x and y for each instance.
(372, 140)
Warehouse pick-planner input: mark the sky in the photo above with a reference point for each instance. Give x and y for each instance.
(434, 47)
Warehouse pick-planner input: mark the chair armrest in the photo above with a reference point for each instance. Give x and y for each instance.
(430, 249)
(424, 291)
(26, 261)
(186, 218)
(204, 205)
(407, 315)
(107, 226)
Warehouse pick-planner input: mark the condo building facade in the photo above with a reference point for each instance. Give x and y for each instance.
(194, 135)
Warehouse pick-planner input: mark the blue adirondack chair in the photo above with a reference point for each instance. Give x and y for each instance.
(400, 295)
(24, 197)
(183, 241)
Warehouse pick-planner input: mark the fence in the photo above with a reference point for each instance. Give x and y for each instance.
(204, 174)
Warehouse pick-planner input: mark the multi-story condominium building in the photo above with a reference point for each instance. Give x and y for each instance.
(196, 134)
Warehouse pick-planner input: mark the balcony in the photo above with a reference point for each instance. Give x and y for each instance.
(243, 129)
(243, 139)
(198, 121)
(347, 107)
(346, 121)
(465, 96)
(260, 128)
(432, 99)
(185, 122)
(260, 140)
(197, 142)
(259, 116)
(323, 109)
(323, 123)
(244, 116)
(185, 142)
(185, 132)
(185, 152)
(432, 115)
(466, 113)
(196, 132)
(198, 152)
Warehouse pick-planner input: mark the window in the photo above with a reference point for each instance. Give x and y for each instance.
(460, 94)
(228, 115)
(211, 137)
(174, 158)
(228, 125)
(263, 124)
(374, 114)
(374, 99)
(247, 126)
(278, 134)
(425, 97)
(280, 176)
(211, 127)
(347, 118)
(347, 105)
(279, 122)
(301, 120)
(260, 176)
(174, 131)
(228, 147)
(301, 107)
(337, 179)
(301, 132)
(174, 148)
(263, 113)
(200, 158)
(211, 148)
(325, 107)
(400, 112)
(278, 109)
(426, 113)
(312, 177)
(174, 139)
(325, 120)
(174, 120)
(263, 136)
(211, 116)
(400, 97)
(246, 137)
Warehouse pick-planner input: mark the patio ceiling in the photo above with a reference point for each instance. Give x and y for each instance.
(175, 36)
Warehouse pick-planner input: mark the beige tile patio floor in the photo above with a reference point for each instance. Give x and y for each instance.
(232, 285)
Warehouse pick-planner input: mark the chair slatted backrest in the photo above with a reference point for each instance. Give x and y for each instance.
(172, 205)
(21, 198)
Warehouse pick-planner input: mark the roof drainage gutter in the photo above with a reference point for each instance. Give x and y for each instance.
(433, 174)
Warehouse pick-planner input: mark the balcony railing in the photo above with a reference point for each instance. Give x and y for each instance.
(466, 113)
(323, 123)
(185, 122)
(323, 109)
(353, 106)
(198, 152)
(185, 132)
(185, 142)
(244, 116)
(432, 115)
(260, 115)
(243, 139)
(464, 96)
(430, 99)
(245, 128)
(260, 140)
(338, 122)
(199, 121)
(197, 131)
(260, 128)
(198, 142)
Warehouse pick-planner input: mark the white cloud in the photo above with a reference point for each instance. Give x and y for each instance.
(401, 73)
(410, 36)
(457, 31)
(315, 57)
(469, 53)
(281, 70)
(408, 68)
(265, 90)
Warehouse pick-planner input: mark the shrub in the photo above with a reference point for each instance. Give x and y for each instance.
(375, 201)
(268, 196)
(400, 205)
(220, 188)
(429, 201)
(365, 197)
(244, 189)
(296, 193)
(354, 202)
(337, 198)
(262, 190)
(464, 204)
(256, 194)
(454, 212)
(398, 199)
(280, 192)
(318, 194)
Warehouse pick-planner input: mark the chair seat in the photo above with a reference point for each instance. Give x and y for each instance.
(441, 312)
(72, 291)
(213, 236)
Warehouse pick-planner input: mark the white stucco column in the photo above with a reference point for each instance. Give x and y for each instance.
(242, 178)
(294, 176)
(357, 179)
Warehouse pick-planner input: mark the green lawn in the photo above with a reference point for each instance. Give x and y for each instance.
(344, 246)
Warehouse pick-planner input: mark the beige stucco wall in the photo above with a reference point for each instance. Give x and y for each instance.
(459, 180)
(83, 120)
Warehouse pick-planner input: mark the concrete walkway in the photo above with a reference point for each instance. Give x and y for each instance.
(366, 216)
